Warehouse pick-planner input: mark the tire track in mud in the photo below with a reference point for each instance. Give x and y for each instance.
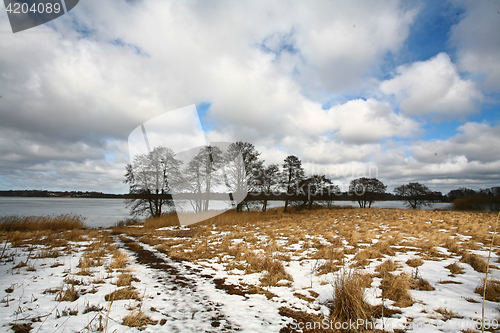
(190, 309)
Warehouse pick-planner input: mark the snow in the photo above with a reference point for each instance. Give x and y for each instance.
(203, 307)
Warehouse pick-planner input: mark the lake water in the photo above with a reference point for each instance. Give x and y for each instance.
(106, 212)
(98, 212)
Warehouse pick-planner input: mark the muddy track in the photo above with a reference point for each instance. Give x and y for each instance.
(191, 308)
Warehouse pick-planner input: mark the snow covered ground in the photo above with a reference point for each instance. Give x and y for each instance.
(216, 277)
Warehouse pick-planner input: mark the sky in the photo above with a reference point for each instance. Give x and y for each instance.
(405, 91)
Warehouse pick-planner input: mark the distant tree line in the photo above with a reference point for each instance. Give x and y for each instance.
(468, 199)
(55, 194)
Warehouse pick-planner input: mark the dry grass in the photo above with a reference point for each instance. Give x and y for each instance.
(67, 294)
(446, 314)
(476, 261)
(123, 293)
(126, 279)
(92, 308)
(329, 266)
(349, 301)
(396, 287)
(137, 319)
(48, 253)
(455, 268)
(304, 297)
(419, 283)
(21, 328)
(492, 290)
(386, 267)
(34, 223)
(274, 271)
(120, 260)
(415, 262)
(363, 255)
(166, 220)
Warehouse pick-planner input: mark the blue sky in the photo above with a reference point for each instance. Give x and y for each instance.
(411, 88)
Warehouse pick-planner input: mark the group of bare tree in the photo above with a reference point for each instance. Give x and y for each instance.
(237, 169)
(155, 177)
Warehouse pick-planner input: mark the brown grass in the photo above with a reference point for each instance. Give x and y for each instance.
(274, 272)
(123, 293)
(476, 261)
(415, 262)
(492, 290)
(455, 268)
(120, 260)
(386, 267)
(419, 283)
(446, 314)
(92, 308)
(67, 294)
(363, 255)
(166, 220)
(137, 319)
(349, 297)
(34, 223)
(21, 328)
(126, 279)
(304, 297)
(396, 287)
(329, 266)
(48, 253)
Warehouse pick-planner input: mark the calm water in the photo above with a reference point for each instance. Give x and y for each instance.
(98, 212)
(106, 212)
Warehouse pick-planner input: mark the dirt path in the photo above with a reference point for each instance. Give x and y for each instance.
(189, 308)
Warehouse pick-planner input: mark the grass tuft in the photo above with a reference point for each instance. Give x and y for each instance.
(415, 262)
(455, 268)
(120, 259)
(137, 319)
(123, 293)
(396, 287)
(68, 294)
(126, 279)
(349, 301)
(476, 261)
(492, 290)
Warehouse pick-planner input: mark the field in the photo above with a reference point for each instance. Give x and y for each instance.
(312, 271)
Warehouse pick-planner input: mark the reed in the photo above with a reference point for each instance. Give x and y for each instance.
(39, 223)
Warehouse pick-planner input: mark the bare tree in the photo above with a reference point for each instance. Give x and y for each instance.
(292, 175)
(366, 190)
(415, 195)
(201, 175)
(242, 172)
(316, 185)
(268, 182)
(151, 178)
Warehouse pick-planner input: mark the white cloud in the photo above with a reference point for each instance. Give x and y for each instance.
(433, 88)
(69, 99)
(369, 121)
(477, 39)
(477, 142)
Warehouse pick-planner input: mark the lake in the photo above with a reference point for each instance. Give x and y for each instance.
(106, 212)
(98, 212)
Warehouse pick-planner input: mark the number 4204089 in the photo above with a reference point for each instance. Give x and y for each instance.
(40, 7)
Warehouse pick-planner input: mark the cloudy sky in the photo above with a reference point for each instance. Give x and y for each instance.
(403, 91)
